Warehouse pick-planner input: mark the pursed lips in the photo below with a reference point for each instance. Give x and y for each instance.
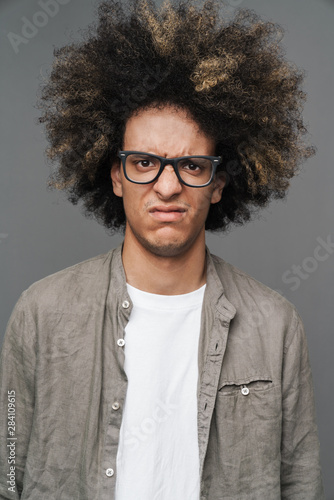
(167, 209)
(167, 214)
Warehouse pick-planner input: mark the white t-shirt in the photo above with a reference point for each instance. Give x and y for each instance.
(158, 457)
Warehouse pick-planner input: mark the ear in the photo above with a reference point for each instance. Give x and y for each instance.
(219, 183)
(115, 174)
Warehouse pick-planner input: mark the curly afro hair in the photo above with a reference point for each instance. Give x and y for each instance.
(230, 74)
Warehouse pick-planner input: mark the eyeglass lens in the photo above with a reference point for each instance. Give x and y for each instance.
(144, 168)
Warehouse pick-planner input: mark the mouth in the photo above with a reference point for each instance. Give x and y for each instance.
(167, 214)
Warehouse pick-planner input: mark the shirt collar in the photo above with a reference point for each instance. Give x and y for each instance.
(214, 295)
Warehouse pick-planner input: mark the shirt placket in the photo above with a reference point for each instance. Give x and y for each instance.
(115, 394)
(208, 387)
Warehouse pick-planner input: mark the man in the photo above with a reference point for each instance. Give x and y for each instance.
(158, 370)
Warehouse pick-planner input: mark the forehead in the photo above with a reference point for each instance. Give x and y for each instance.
(168, 131)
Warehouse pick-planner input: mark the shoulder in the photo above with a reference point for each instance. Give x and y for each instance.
(251, 297)
(66, 299)
(69, 284)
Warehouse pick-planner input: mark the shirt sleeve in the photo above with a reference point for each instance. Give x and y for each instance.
(17, 372)
(301, 476)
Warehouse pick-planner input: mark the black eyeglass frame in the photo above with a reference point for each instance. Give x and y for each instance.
(216, 160)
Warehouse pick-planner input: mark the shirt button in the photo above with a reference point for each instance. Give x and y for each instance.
(115, 405)
(110, 472)
(245, 390)
(125, 304)
(120, 342)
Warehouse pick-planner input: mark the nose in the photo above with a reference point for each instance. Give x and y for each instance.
(167, 183)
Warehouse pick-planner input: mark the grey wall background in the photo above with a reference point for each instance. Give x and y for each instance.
(41, 233)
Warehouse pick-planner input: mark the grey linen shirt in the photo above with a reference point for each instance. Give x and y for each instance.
(61, 355)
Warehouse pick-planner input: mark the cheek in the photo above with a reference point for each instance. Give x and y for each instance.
(204, 201)
(130, 207)
(134, 202)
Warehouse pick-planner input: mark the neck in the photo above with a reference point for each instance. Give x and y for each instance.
(162, 275)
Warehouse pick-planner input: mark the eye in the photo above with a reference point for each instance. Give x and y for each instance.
(192, 166)
(143, 163)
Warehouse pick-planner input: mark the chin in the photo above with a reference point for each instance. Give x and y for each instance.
(164, 246)
(165, 241)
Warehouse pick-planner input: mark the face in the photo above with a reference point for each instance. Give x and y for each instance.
(170, 133)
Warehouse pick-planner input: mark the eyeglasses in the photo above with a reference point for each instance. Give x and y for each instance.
(193, 171)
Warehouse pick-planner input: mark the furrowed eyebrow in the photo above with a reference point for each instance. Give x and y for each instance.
(176, 156)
